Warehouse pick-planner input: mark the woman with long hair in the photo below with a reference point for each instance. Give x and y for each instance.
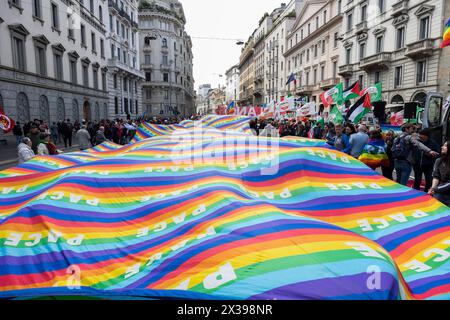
(441, 177)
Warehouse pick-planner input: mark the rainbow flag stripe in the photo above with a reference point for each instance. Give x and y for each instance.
(209, 215)
(211, 122)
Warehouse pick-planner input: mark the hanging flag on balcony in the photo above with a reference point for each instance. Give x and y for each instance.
(334, 95)
(446, 41)
(352, 92)
(292, 78)
(362, 107)
(374, 91)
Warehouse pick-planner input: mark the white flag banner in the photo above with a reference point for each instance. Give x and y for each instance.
(308, 109)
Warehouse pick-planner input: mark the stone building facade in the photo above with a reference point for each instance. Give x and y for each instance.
(53, 60)
(247, 73)
(232, 86)
(275, 43)
(124, 75)
(396, 42)
(259, 58)
(313, 49)
(166, 60)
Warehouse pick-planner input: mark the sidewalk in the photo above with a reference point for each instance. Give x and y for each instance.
(9, 157)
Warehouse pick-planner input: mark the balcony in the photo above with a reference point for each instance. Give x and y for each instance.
(329, 83)
(361, 27)
(306, 89)
(164, 67)
(377, 61)
(121, 12)
(115, 63)
(399, 8)
(420, 49)
(177, 69)
(346, 70)
(259, 78)
(147, 66)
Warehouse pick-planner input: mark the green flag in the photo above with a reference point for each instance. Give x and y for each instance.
(334, 95)
(336, 116)
(375, 92)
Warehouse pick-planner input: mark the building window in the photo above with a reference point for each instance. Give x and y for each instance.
(58, 66)
(147, 58)
(37, 9)
(323, 46)
(322, 73)
(361, 80)
(165, 60)
(377, 77)
(55, 17)
(148, 76)
(116, 105)
(307, 55)
(379, 44)
(400, 41)
(93, 43)
(315, 76)
(40, 46)
(111, 23)
(147, 41)
(421, 72)
(339, 6)
(424, 28)
(317, 22)
(164, 43)
(166, 77)
(349, 21)
(100, 14)
(19, 53)
(148, 94)
(115, 81)
(102, 48)
(307, 78)
(85, 76)
(73, 71)
(363, 13)
(325, 16)
(95, 77)
(309, 29)
(398, 77)
(348, 54)
(362, 51)
(334, 69)
(70, 33)
(166, 94)
(336, 36)
(315, 50)
(125, 84)
(381, 5)
(83, 35)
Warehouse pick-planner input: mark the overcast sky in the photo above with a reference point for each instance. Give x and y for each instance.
(221, 19)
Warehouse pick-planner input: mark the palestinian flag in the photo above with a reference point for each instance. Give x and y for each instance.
(374, 91)
(352, 92)
(334, 95)
(362, 107)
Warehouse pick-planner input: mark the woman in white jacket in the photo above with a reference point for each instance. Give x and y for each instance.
(24, 150)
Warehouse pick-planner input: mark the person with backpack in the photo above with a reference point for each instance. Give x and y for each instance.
(402, 152)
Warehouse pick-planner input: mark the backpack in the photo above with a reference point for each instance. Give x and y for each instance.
(400, 149)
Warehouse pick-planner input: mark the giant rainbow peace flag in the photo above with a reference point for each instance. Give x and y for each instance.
(446, 37)
(217, 215)
(210, 122)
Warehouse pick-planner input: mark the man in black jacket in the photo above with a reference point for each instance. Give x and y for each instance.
(67, 128)
(423, 162)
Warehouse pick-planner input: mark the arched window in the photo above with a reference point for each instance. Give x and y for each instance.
(75, 110)
(60, 110)
(397, 99)
(147, 41)
(420, 97)
(164, 43)
(23, 108)
(44, 111)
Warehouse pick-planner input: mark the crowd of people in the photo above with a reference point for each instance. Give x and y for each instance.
(412, 150)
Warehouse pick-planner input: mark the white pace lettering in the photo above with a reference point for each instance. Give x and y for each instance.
(216, 279)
